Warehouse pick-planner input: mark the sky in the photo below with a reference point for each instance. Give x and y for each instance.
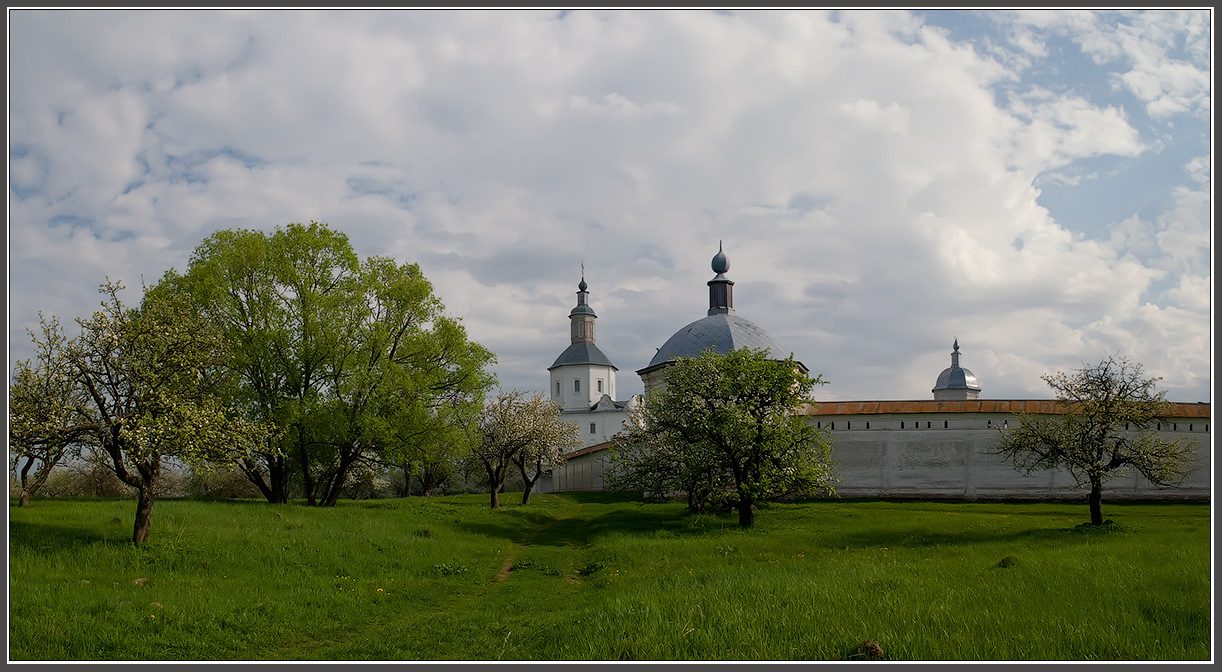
(1036, 184)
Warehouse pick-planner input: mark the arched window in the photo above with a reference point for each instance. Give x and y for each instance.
(577, 385)
(901, 424)
(600, 384)
(557, 388)
(867, 424)
(946, 424)
(833, 426)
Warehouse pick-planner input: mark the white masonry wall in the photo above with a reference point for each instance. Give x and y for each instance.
(939, 456)
(952, 456)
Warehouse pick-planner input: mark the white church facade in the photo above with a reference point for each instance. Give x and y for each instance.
(934, 448)
(582, 379)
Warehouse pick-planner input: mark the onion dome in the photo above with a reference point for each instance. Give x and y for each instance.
(956, 382)
(720, 331)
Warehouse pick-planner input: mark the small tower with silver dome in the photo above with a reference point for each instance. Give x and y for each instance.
(956, 383)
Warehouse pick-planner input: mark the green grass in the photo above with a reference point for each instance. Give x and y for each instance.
(599, 577)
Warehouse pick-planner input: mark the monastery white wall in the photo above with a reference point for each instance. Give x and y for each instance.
(597, 426)
(936, 456)
(952, 456)
(582, 472)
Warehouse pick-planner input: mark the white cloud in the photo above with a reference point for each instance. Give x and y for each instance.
(874, 192)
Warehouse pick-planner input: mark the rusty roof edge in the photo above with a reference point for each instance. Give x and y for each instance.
(589, 449)
(1177, 409)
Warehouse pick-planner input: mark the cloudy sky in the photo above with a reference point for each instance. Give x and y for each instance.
(1036, 184)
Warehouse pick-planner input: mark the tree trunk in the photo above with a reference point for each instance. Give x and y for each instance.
(31, 485)
(25, 484)
(279, 476)
(334, 488)
(746, 512)
(496, 479)
(431, 478)
(1096, 501)
(407, 479)
(144, 513)
(307, 476)
(256, 479)
(530, 482)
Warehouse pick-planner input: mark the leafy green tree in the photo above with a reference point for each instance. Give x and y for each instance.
(47, 420)
(405, 360)
(431, 449)
(345, 357)
(523, 432)
(1108, 427)
(233, 279)
(724, 429)
(149, 374)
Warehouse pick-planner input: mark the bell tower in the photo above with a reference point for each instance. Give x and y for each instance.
(581, 318)
(582, 375)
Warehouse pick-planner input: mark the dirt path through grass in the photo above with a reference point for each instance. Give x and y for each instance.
(529, 538)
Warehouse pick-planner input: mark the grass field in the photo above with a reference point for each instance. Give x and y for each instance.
(597, 577)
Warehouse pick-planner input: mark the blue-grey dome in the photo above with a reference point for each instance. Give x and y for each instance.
(956, 377)
(582, 353)
(722, 332)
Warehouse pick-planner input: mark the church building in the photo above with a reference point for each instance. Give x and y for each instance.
(582, 379)
(721, 331)
(932, 448)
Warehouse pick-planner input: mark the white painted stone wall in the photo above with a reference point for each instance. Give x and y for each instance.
(607, 423)
(937, 456)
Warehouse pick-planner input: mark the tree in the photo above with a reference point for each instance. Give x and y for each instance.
(150, 374)
(232, 278)
(526, 432)
(346, 357)
(431, 451)
(402, 362)
(724, 429)
(1110, 413)
(46, 411)
(552, 436)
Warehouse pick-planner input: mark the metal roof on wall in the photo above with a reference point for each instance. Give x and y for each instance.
(1178, 410)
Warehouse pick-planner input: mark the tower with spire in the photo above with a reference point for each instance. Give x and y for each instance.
(582, 379)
